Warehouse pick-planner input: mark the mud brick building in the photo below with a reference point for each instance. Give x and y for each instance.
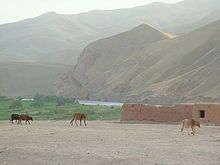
(205, 113)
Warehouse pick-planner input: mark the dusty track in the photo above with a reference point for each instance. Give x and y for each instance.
(103, 143)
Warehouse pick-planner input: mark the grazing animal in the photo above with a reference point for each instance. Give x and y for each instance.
(190, 123)
(14, 117)
(24, 117)
(79, 116)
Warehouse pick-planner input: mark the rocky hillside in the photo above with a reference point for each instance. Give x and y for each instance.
(104, 59)
(144, 65)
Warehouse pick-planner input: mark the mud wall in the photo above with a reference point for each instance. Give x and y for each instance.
(140, 112)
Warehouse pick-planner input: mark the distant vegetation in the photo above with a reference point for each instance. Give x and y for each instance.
(55, 108)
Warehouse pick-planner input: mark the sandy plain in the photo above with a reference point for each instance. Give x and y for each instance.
(106, 143)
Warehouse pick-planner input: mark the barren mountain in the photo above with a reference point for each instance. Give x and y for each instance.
(148, 67)
(60, 38)
(53, 41)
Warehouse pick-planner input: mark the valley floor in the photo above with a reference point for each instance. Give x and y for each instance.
(104, 143)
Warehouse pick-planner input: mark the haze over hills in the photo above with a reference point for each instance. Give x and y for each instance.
(212, 17)
(27, 79)
(60, 38)
(159, 70)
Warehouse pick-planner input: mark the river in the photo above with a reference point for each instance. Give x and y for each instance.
(89, 102)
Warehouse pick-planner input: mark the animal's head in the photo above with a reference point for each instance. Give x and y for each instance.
(198, 124)
(31, 118)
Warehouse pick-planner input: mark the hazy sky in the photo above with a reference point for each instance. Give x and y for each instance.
(15, 10)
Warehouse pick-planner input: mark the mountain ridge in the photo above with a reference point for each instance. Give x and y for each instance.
(52, 33)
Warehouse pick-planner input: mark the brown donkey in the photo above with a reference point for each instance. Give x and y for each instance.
(79, 116)
(24, 117)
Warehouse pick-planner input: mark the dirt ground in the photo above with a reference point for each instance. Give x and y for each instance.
(104, 143)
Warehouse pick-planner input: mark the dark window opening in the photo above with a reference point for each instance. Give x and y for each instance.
(202, 114)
